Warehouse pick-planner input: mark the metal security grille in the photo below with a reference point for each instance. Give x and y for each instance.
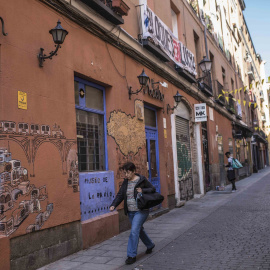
(184, 158)
(90, 140)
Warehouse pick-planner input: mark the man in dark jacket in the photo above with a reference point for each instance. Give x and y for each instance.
(134, 185)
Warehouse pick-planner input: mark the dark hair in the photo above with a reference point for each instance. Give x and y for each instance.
(227, 153)
(129, 166)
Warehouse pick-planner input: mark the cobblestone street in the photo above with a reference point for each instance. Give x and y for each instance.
(222, 230)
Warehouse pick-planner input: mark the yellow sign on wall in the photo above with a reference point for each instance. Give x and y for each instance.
(22, 100)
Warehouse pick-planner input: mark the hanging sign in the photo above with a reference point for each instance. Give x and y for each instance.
(200, 112)
(22, 100)
(161, 34)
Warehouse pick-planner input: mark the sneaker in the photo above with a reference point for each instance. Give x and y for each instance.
(233, 190)
(149, 250)
(130, 260)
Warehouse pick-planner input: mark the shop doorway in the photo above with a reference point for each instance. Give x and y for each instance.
(208, 185)
(184, 158)
(221, 161)
(151, 134)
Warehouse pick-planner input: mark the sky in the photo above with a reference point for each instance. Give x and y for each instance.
(257, 15)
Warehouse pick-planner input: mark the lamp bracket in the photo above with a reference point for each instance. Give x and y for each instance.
(169, 108)
(134, 93)
(152, 91)
(3, 27)
(41, 56)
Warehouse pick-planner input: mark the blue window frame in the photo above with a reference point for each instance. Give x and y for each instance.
(90, 105)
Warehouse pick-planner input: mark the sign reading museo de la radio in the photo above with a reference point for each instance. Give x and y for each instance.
(200, 112)
(96, 193)
(154, 27)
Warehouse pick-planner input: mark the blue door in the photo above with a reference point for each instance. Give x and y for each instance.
(151, 134)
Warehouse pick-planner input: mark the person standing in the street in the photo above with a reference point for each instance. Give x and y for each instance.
(230, 171)
(134, 185)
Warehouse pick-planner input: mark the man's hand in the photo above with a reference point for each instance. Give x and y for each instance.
(139, 190)
(112, 208)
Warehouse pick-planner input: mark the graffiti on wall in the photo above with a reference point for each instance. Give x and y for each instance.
(184, 171)
(97, 193)
(19, 199)
(184, 161)
(127, 131)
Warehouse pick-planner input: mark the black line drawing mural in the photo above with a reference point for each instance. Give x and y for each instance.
(73, 176)
(15, 184)
(31, 136)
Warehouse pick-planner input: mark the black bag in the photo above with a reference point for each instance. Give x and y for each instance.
(148, 200)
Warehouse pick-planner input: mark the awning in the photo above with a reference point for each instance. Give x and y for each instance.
(260, 138)
(246, 131)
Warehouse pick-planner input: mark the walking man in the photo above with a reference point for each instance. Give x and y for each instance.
(230, 171)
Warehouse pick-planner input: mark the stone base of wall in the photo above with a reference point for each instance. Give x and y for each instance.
(98, 229)
(124, 223)
(171, 201)
(36, 249)
(4, 253)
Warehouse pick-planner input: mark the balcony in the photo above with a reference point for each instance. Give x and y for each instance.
(112, 10)
(250, 71)
(230, 108)
(218, 87)
(154, 49)
(205, 85)
(185, 74)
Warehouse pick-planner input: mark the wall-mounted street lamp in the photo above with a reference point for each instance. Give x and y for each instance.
(143, 80)
(177, 99)
(205, 65)
(3, 27)
(58, 33)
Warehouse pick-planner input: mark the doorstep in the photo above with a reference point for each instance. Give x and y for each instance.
(158, 213)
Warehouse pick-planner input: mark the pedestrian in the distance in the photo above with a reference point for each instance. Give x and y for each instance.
(134, 185)
(230, 171)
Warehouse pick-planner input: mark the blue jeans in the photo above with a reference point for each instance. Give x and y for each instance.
(137, 219)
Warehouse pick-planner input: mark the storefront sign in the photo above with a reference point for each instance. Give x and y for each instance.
(153, 26)
(200, 112)
(96, 193)
(22, 100)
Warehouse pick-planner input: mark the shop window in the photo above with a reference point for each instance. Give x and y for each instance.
(150, 117)
(91, 127)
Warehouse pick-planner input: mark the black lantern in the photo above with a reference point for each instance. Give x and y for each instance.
(58, 33)
(143, 78)
(205, 65)
(177, 99)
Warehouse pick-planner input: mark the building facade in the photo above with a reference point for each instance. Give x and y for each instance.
(68, 123)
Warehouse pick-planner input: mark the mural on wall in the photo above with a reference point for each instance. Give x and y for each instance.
(19, 199)
(97, 193)
(73, 176)
(140, 161)
(129, 135)
(127, 131)
(31, 136)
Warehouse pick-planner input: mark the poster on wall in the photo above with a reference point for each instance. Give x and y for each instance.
(96, 193)
(200, 112)
(161, 34)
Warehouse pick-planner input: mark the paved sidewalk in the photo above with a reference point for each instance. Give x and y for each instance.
(164, 231)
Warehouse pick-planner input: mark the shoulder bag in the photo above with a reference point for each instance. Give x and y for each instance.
(236, 164)
(148, 200)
